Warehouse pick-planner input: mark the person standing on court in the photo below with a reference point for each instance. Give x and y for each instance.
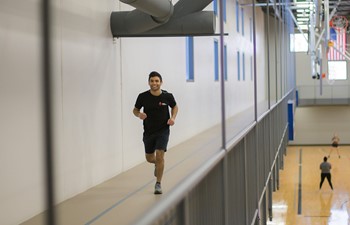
(156, 121)
(335, 143)
(325, 168)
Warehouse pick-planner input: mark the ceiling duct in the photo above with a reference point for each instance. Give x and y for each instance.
(156, 18)
(185, 7)
(130, 23)
(147, 15)
(160, 10)
(200, 23)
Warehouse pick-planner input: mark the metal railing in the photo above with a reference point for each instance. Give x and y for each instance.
(235, 186)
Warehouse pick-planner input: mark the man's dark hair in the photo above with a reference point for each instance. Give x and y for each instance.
(325, 159)
(155, 74)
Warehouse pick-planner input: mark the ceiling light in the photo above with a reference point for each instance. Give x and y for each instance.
(302, 15)
(302, 19)
(304, 27)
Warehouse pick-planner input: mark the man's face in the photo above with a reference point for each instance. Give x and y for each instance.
(154, 83)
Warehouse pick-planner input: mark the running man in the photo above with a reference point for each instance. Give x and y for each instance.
(156, 121)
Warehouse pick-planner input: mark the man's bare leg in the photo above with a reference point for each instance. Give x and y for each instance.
(157, 158)
(159, 164)
(151, 158)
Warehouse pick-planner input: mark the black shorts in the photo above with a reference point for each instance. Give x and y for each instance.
(157, 141)
(335, 145)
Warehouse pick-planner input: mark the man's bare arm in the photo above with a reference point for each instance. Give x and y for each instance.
(174, 111)
(139, 114)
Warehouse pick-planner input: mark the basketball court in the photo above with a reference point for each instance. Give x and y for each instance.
(299, 199)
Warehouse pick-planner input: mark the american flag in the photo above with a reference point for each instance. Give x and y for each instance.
(339, 42)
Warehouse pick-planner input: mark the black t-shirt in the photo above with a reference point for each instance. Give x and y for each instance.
(157, 110)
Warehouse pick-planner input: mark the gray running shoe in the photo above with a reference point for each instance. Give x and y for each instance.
(157, 189)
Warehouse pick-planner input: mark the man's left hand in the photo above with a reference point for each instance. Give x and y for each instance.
(171, 121)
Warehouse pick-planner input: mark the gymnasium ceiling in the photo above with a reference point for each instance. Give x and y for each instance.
(301, 8)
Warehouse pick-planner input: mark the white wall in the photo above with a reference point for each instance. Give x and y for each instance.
(20, 114)
(316, 125)
(87, 88)
(261, 61)
(235, 100)
(87, 107)
(96, 82)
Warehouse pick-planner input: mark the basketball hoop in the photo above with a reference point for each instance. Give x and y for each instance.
(339, 23)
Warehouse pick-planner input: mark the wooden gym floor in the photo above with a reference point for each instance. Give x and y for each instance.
(307, 204)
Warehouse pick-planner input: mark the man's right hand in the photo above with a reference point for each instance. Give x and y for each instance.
(142, 115)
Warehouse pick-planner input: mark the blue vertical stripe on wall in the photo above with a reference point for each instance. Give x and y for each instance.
(225, 62)
(242, 14)
(251, 67)
(224, 9)
(189, 59)
(237, 16)
(243, 66)
(251, 29)
(290, 121)
(216, 60)
(238, 66)
(215, 6)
